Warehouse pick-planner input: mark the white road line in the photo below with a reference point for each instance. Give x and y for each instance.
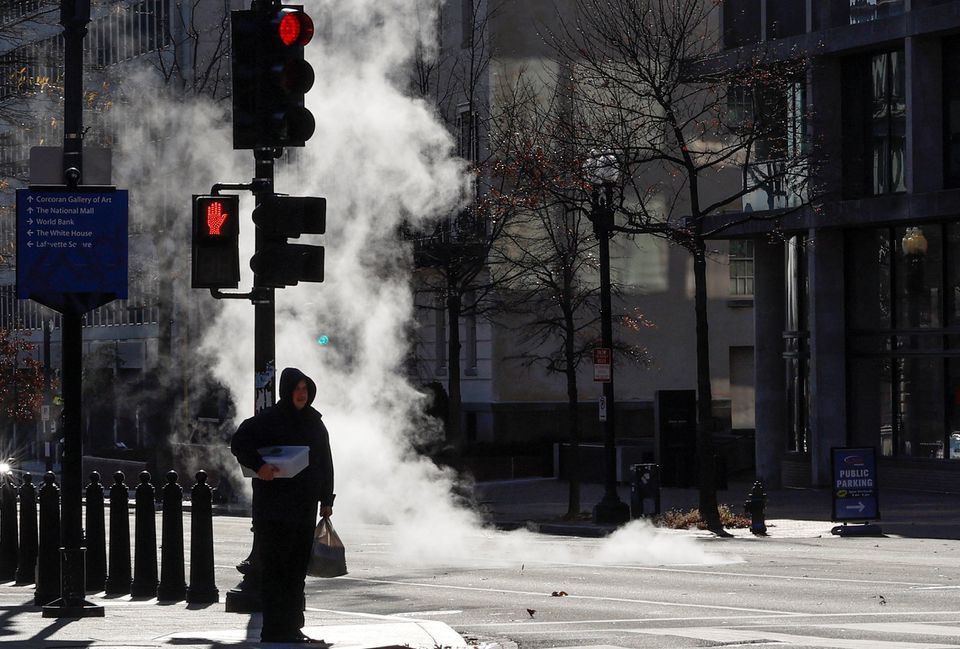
(795, 620)
(730, 636)
(784, 577)
(913, 628)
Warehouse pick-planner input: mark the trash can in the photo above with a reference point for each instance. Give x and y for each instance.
(644, 490)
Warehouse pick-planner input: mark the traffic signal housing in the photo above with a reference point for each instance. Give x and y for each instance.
(277, 262)
(271, 77)
(216, 242)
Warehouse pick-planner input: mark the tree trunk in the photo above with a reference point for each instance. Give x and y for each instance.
(573, 468)
(709, 511)
(454, 433)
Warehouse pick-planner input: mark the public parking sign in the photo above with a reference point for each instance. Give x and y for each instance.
(71, 242)
(855, 484)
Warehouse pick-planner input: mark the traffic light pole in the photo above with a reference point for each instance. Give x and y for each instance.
(264, 329)
(245, 598)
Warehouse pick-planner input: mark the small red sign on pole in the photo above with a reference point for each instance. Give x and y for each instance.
(602, 363)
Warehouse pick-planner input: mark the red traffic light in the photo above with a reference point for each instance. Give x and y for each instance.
(295, 28)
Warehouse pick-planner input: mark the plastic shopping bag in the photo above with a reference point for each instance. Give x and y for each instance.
(328, 557)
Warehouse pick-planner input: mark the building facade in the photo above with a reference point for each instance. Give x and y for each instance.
(509, 402)
(858, 296)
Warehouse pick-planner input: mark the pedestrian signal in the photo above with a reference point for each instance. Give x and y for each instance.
(216, 242)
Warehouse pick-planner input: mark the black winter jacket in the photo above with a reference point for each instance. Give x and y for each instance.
(288, 499)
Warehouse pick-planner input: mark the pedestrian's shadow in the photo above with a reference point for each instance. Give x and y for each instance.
(41, 640)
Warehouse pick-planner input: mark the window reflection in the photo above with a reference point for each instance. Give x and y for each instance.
(862, 11)
(904, 365)
(888, 122)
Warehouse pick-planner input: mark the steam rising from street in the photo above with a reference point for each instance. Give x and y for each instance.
(379, 157)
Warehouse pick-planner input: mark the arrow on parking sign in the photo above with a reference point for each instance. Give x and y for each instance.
(859, 507)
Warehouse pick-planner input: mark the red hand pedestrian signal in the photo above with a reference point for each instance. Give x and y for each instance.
(216, 217)
(215, 243)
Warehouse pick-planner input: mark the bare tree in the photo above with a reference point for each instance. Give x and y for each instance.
(454, 256)
(689, 144)
(551, 295)
(197, 60)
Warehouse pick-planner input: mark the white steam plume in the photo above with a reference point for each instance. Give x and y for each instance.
(378, 156)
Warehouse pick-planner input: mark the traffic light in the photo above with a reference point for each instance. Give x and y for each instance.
(271, 77)
(216, 238)
(276, 262)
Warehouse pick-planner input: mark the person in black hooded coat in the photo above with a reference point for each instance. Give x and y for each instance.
(285, 509)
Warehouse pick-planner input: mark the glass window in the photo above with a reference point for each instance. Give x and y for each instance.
(920, 407)
(868, 279)
(953, 408)
(468, 135)
(470, 326)
(440, 336)
(918, 276)
(874, 124)
(951, 113)
(904, 365)
(952, 275)
(796, 352)
(888, 122)
(862, 11)
(741, 267)
(467, 23)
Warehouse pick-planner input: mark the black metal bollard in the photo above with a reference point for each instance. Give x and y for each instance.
(755, 505)
(118, 576)
(96, 536)
(9, 543)
(173, 587)
(145, 540)
(48, 549)
(27, 564)
(203, 589)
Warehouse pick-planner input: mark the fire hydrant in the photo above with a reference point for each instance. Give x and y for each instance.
(755, 505)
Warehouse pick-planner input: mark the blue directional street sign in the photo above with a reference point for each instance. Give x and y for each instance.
(71, 242)
(855, 488)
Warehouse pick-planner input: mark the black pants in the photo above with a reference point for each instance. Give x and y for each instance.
(284, 554)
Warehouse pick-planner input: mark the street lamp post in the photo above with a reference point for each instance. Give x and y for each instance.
(603, 174)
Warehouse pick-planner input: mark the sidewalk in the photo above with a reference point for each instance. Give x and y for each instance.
(145, 624)
(539, 504)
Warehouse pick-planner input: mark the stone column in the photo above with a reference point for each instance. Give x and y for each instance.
(924, 154)
(769, 380)
(828, 411)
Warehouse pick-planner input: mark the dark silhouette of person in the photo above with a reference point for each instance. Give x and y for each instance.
(285, 508)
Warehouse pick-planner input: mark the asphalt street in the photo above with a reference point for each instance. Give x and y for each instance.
(456, 586)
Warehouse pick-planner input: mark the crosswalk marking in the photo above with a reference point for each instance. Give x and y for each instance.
(913, 628)
(754, 636)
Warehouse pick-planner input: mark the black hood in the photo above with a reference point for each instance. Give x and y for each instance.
(289, 379)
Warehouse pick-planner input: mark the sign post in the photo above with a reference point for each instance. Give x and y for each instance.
(854, 491)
